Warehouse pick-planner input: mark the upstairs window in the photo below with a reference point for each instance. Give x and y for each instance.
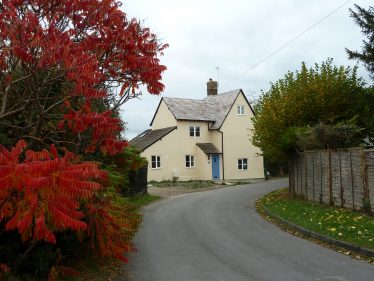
(194, 131)
(155, 161)
(190, 161)
(243, 164)
(240, 109)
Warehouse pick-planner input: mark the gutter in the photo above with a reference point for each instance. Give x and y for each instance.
(223, 155)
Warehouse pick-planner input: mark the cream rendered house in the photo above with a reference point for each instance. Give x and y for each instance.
(206, 139)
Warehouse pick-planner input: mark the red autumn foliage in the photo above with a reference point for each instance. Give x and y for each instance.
(103, 127)
(3, 269)
(61, 270)
(110, 228)
(57, 58)
(88, 48)
(42, 194)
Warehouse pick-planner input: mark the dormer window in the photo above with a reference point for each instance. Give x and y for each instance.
(194, 131)
(240, 109)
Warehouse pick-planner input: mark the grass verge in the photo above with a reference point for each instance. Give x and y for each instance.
(196, 184)
(183, 184)
(142, 200)
(339, 224)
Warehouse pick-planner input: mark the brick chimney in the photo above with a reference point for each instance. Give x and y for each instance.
(212, 87)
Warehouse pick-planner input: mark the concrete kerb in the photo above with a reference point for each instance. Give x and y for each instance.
(319, 237)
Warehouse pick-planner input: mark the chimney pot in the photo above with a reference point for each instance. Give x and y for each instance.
(212, 87)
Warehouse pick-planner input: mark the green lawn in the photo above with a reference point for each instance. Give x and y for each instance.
(142, 200)
(341, 224)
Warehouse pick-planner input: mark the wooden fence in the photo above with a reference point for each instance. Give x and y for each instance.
(138, 181)
(343, 178)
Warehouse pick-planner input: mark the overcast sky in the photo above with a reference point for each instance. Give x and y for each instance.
(234, 36)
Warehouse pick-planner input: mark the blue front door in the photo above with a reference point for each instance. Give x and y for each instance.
(215, 167)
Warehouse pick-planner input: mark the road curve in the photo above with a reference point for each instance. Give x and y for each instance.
(218, 236)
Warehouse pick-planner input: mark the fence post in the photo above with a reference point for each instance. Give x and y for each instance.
(331, 200)
(320, 165)
(352, 185)
(341, 182)
(366, 200)
(306, 175)
(297, 187)
(314, 195)
(291, 176)
(301, 158)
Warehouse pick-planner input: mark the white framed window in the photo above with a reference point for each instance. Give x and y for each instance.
(156, 161)
(242, 164)
(190, 161)
(240, 109)
(195, 131)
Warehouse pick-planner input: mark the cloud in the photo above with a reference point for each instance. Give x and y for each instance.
(236, 35)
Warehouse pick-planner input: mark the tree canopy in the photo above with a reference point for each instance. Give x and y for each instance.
(364, 19)
(323, 94)
(60, 58)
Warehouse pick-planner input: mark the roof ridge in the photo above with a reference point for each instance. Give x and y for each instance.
(211, 108)
(225, 93)
(236, 90)
(204, 99)
(172, 98)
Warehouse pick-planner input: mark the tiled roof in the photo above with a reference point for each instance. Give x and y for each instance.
(208, 148)
(211, 109)
(149, 137)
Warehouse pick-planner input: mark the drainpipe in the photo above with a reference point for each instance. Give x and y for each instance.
(223, 160)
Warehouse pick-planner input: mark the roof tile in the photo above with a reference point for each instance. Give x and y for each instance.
(211, 109)
(149, 137)
(208, 148)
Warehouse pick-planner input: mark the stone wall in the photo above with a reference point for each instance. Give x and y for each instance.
(343, 178)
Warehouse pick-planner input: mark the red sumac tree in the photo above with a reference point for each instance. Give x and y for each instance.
(64, 67)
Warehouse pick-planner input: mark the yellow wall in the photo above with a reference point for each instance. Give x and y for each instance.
(173, 149)
(204, 169)
(164, 118)
(237, 130)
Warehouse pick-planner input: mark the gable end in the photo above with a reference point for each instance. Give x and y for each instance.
(228, 112)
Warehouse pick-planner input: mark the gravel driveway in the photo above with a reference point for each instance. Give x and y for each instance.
(168, 192)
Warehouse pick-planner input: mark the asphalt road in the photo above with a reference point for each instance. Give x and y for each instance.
(218, 236)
